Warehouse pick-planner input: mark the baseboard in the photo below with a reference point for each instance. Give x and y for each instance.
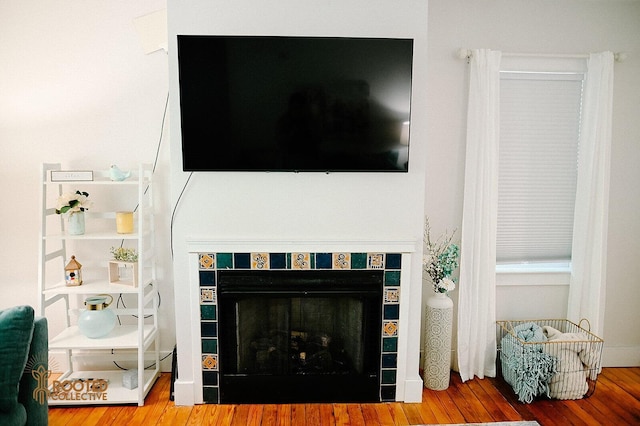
(184, 393)
(412, 390)
(621, 356)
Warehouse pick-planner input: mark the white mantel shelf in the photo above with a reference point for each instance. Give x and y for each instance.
(200, 245)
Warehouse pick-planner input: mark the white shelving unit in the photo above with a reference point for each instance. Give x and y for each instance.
(134, 341)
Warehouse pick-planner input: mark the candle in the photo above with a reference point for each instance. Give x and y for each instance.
(124, 222)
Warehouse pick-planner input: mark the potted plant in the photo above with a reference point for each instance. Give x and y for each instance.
(123, 269)
(74, 204)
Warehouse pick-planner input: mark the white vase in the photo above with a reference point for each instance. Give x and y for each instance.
(437, 351)
(76, 223)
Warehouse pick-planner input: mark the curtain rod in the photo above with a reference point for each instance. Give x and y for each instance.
(619, 57)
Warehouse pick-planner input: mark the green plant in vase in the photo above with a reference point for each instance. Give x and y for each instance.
(440, 260)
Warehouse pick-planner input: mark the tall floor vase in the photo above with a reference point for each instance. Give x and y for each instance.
(437, 351)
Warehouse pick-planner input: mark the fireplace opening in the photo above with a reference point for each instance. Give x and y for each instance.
(299, 336)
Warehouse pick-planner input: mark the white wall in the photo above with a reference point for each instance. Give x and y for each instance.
(76, 88)
(304, 206)
(546, 26)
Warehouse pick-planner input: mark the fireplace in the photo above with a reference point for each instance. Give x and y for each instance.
(310, 322)
(299, 336)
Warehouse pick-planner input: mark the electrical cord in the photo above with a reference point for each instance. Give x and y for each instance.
(146, 368)
(153, 170)
(175, 208)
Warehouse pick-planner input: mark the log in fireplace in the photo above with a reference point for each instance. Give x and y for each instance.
(300, 336)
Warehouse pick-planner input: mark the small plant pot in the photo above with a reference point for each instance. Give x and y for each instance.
(123, 273)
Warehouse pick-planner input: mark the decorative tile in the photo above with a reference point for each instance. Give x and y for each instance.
(376, 261)
(391, 295)
(300, 261)
(259, 260)
(210, 362)
(390, 328)
(341, 260)
(207, 260)
(207, 295)
(210, 262)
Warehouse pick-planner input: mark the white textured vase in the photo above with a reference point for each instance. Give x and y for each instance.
(437, 351)
(76, 223)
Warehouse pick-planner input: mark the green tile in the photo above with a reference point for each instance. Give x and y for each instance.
(392, 278)
(390, 344)
(224, 260)
(210, 395)
(209, 346)
(358, 260)
(389, 377)
(208, 312)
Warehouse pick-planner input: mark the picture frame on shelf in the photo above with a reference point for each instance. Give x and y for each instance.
(123, 273)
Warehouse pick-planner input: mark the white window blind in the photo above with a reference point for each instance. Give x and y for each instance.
(539, 133)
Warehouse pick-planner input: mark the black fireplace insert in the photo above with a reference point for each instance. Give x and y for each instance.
(299, 336)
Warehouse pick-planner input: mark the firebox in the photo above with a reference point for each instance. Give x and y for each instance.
(300, 336)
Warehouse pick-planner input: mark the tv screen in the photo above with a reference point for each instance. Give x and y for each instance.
(326, 104)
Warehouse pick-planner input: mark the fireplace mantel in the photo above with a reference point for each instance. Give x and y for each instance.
(200, 245)
(207, 254)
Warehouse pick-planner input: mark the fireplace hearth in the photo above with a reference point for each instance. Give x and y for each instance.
(300, 336)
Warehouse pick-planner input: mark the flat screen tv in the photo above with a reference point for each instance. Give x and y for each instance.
(318, 104)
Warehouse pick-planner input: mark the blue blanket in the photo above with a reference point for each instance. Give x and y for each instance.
(526, 367)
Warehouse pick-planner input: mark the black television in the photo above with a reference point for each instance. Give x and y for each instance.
(298, 104)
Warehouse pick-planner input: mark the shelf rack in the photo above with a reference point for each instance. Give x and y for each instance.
(137, 342)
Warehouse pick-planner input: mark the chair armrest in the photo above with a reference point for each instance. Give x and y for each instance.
(33, 385)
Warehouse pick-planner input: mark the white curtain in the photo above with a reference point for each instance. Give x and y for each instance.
(589, 248)
(477, 290)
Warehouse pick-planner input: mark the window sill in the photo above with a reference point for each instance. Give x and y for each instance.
(536, 268)
(533, 274)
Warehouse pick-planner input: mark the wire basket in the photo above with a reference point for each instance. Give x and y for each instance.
(552, 357)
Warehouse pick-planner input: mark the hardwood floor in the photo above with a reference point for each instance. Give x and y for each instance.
(616, 401)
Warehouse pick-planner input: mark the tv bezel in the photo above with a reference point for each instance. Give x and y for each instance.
(405, 169)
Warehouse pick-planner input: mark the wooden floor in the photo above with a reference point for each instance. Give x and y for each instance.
(616, 401)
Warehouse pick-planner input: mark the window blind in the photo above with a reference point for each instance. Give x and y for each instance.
(539, 133)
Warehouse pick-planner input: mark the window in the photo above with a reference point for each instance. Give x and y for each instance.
(539, 134)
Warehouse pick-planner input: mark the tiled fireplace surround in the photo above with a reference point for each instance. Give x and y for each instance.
(206, 258)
